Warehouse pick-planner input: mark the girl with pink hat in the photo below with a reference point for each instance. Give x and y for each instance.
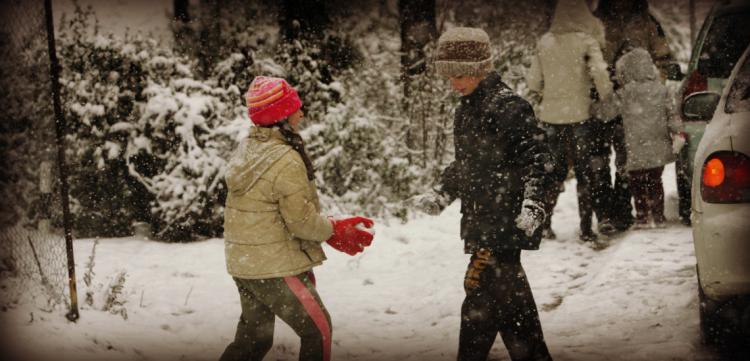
(273, 229)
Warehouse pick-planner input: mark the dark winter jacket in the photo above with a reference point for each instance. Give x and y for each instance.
(627, 29)
(501, 158)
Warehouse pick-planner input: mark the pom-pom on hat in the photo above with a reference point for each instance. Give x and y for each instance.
(463, 52)
(270, 100)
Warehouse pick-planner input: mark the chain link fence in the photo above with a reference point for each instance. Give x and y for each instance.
(33, 259)
(33, 268)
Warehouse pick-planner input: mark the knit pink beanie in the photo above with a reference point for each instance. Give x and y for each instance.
(270, 100)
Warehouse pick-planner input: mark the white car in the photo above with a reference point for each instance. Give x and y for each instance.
(721, 207)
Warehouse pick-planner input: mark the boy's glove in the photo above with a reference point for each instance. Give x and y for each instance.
(348, 238)
(431, 203)
(532, 216)
(473, 275)
(678, 141)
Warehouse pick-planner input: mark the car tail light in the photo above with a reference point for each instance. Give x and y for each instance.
(726, 178)
(695, 83)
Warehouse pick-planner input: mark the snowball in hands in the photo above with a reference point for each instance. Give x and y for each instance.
(365, 228)
(531, 217)
(348, 234)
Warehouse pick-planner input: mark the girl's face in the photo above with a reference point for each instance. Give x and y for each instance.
(295, 118)
(465, 84)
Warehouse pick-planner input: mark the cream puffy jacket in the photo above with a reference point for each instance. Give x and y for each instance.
(565, 69)
(568, 64)
(272, 221)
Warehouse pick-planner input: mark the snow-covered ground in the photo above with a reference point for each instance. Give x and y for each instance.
(400, 300)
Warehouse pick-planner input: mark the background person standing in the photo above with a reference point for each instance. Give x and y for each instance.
(569, 56)
(628, 25)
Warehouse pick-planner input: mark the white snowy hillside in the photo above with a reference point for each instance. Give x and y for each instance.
(400, 300)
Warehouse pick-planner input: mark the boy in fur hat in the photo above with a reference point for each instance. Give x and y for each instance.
(500, 174)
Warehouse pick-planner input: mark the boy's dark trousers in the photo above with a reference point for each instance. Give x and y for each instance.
(295, 301)
(499, 299)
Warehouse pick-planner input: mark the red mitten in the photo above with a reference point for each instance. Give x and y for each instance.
(347, 238)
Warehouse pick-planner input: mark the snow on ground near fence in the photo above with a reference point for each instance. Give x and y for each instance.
(635, 300)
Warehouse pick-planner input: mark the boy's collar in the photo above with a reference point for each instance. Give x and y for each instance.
(489, 81)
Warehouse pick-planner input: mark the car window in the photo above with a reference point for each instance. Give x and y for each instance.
(738, 99)
(727, 38)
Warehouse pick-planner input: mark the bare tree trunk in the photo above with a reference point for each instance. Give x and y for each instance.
(181, 29)
(418, 30)
(303, 19)
(210, 35)
(181, 11)
(307, 21)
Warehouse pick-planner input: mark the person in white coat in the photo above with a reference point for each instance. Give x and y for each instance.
(567, 69)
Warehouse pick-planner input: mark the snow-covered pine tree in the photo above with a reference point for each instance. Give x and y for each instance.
(308, 76)
(360, 158)
(102, 81)
(178, 150)
(148, 140)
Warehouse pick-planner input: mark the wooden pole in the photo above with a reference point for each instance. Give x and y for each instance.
(45, 188)
(60, 135)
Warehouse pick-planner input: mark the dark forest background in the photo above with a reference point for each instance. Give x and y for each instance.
(151, 124)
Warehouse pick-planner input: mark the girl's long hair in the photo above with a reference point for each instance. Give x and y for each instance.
(295, 141)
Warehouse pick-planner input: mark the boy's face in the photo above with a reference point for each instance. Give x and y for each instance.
(465, 84)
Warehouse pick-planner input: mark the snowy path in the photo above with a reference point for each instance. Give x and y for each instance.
(635, 300)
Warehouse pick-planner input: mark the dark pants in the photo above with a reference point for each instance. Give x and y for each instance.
(572, 143)
(295, 301)
(683, 184)
(648, 192)
(616, 199)
(501, 302)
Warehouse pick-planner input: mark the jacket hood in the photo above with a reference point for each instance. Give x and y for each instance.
(636, 66)
(255, 155)
(574, 16)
